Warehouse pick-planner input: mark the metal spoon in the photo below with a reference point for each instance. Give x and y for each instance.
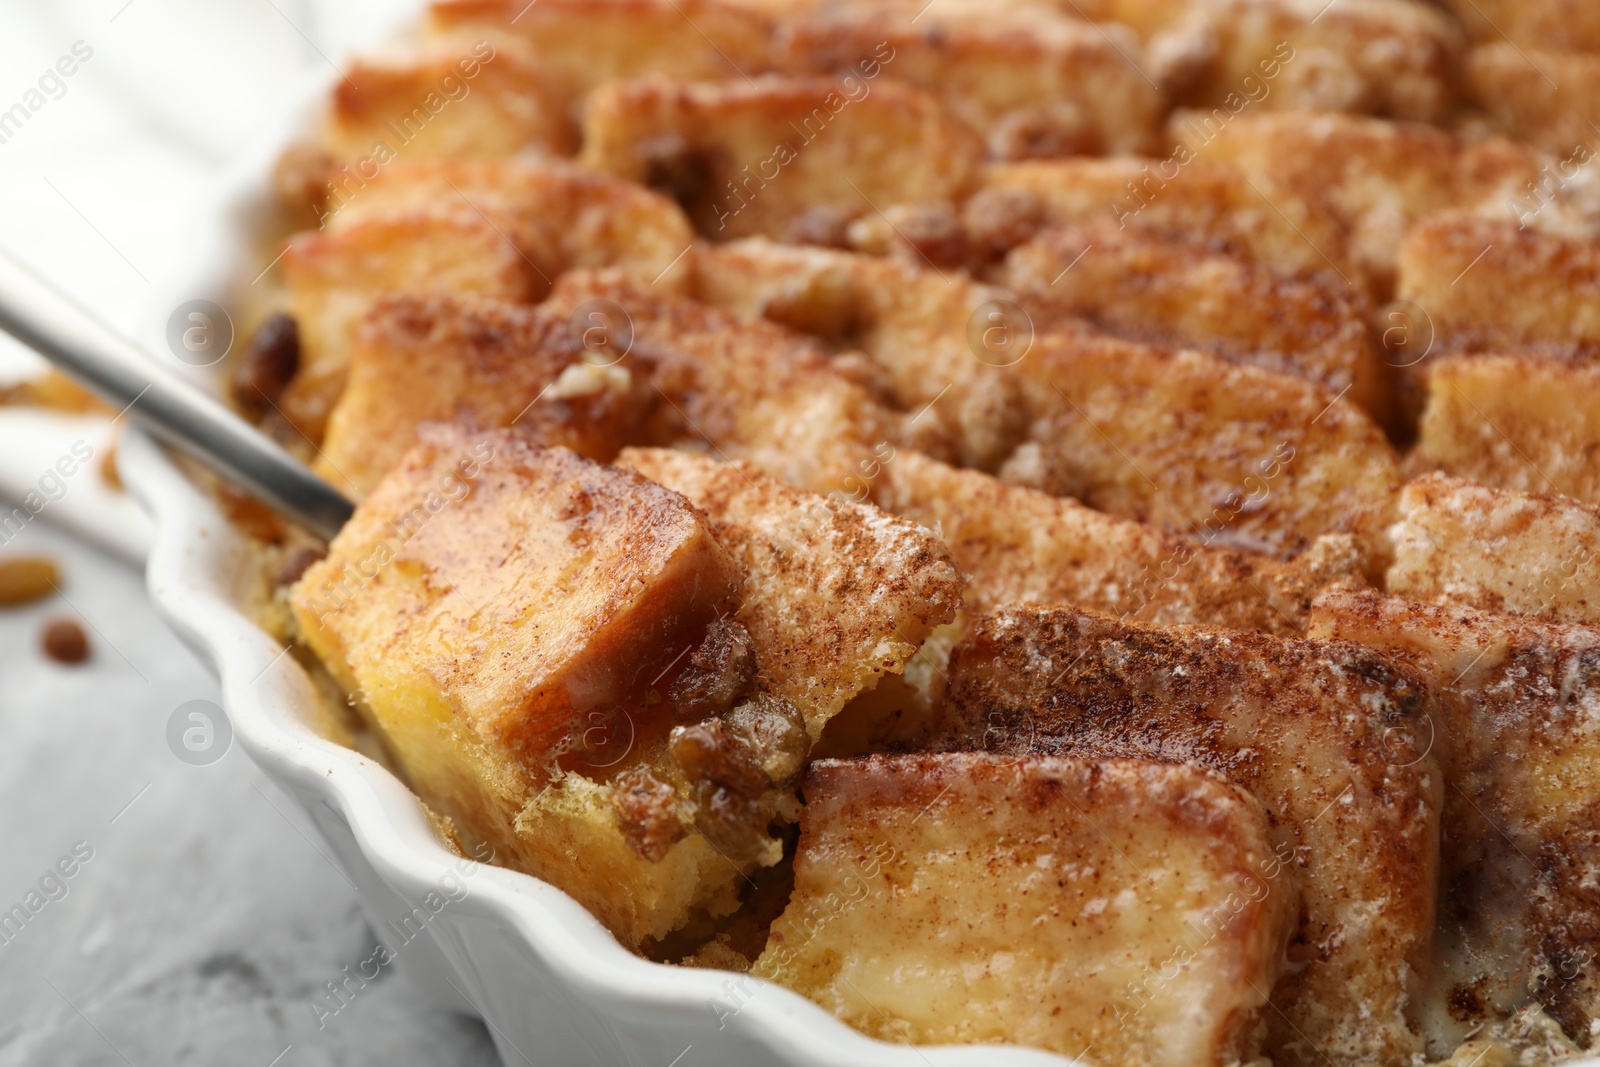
(88, 350)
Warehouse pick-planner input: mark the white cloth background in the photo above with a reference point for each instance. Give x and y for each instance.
(207, 917)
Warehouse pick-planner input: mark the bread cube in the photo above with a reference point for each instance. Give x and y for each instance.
(840, 594)
(913, 323)
(1544, 97)
(743, 390)
(1520, 908)
(1147, 287)
(1309, 728)
(1034, 82)
(1516, 421)
(1489, 285)
(491, 606)
(1394, 58)
(752, 156)
(1374, 178)
(1187, 196)
(1018, 545)
(483, 365)
(1497, 549)
(1555, 24)
(584, 44)
(459, 99)
(1126, 907)
(334, 276)
(563, 216)
(1185, 440)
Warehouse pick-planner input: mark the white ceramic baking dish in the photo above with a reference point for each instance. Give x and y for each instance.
(552, 984)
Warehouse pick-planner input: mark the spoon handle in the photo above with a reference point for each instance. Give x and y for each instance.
(45, 320)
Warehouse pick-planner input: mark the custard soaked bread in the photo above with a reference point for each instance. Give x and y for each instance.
(1520, 914)
(753, 156)
(1306, 727)
(1182, 292)
(1198, 445)
(495, 230)
(1018, 545)
(628, 667)
(1032, 81)
(1529, 422)
(1177, 438)
(1382, 57)
(1123, 906)
(482, 365)
(1457, 542)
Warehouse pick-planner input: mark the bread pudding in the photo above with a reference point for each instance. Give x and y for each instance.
(1066, 523)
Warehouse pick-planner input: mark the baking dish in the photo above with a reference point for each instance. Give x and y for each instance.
(551, 983)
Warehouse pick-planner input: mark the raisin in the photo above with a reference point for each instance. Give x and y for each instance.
(647, 813)
(718, 672)
(270, 363)
(65, 642)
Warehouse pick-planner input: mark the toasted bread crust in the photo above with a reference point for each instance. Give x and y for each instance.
(840, 594)
(750, 157)
(1521, 915)
(561, 216)
(1147, 287)
(1525, 422)
(483, 365)
(1489, 285)
(333, 276)
(1299, 724)
(1190, 442)
(1018, 545)
(1046, 860)
(455, 99)
(1033, 82)
(1497, 549)
(745, 390)
(584, 44)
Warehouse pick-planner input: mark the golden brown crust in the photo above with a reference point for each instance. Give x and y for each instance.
(1520, 913)
(1196, 199)
(747, 390)
(1375, 57)
(751, 157)
(1525, 422)
(912, 322)
(1497, 549)
(1188, 441)
(1303, 726)
(560, 215)
(1017, 545)
(1153, 880)
(482, 365)
(584, 44)
(454, 99)
(1489, 285)
(334, 275)
(1035, 83)
(1544, 97)
(1147, 287)
(1373, 178)
(1555, 24)
(839, 594)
